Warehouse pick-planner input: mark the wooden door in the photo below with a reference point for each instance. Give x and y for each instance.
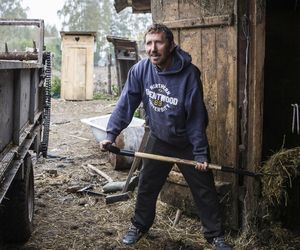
(208, 31)
(74, 79)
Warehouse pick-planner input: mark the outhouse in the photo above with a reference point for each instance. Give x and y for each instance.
(249, 56)
(77, 65)
(126, 55)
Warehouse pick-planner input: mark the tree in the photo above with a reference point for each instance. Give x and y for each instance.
(80, 15)
(51, 31)
(12, 9)
(100, 16)
(16, 37)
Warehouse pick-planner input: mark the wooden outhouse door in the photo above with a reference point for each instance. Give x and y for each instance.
(77, 65)
(76, 71)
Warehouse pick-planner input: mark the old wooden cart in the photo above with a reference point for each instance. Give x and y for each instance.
(25, 80)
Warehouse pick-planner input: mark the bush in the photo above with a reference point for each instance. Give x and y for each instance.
(104, 96)
(55, 87)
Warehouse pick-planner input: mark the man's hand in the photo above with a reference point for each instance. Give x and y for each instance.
(103, 145)
(202, 166)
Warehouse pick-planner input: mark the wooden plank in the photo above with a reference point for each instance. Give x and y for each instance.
(190, 41)
(209, 67)
(80, 73)
(17, 107)
(255, 115)
(70, 76)
(137, 162)
(163, 11)
(34, 94)
(226, 101)
(232, 94)
(189, 9)
(6, 107)
(100, 172)
(223, 85)
(256, 95)
(224, 20)
(227, 109)
(233, 112)
(89, 64)
(24, 97)
(169, 10)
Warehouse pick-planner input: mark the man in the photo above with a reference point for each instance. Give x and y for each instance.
(169, 86)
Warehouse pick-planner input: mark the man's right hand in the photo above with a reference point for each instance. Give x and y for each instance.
(103, 145)
(202, 166)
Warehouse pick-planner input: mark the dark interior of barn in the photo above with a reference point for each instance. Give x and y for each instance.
(282, 75)
(282, 90)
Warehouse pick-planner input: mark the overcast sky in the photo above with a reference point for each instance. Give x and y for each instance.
(44, 9)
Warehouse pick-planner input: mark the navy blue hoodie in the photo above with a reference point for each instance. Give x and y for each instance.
(173, 103)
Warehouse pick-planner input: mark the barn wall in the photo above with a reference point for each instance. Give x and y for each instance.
(207, 31)
(253, 87)
(249, 83)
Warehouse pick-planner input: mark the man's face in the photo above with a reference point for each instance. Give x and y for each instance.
(158, 49)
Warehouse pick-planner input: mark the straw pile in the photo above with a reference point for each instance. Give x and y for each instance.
(285, 166)
(267, 229)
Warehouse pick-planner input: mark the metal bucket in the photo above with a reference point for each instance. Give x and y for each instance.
(130, 139)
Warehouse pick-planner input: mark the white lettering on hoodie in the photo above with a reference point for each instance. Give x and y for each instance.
(160, 97)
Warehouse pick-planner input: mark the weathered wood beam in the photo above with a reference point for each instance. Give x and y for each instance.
(223, 20)
(20, 56)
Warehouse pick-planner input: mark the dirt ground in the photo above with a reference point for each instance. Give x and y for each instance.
(68, 220)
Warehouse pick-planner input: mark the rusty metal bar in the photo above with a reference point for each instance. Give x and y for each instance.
(21, 56)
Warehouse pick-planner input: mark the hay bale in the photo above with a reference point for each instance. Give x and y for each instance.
(285, 165)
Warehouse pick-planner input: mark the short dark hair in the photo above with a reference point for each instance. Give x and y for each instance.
(158, 28)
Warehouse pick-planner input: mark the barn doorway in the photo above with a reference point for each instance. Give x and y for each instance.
(282, 75)
(282, 89)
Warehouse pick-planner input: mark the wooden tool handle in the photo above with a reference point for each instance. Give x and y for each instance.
(173, 160)
(184, 161)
